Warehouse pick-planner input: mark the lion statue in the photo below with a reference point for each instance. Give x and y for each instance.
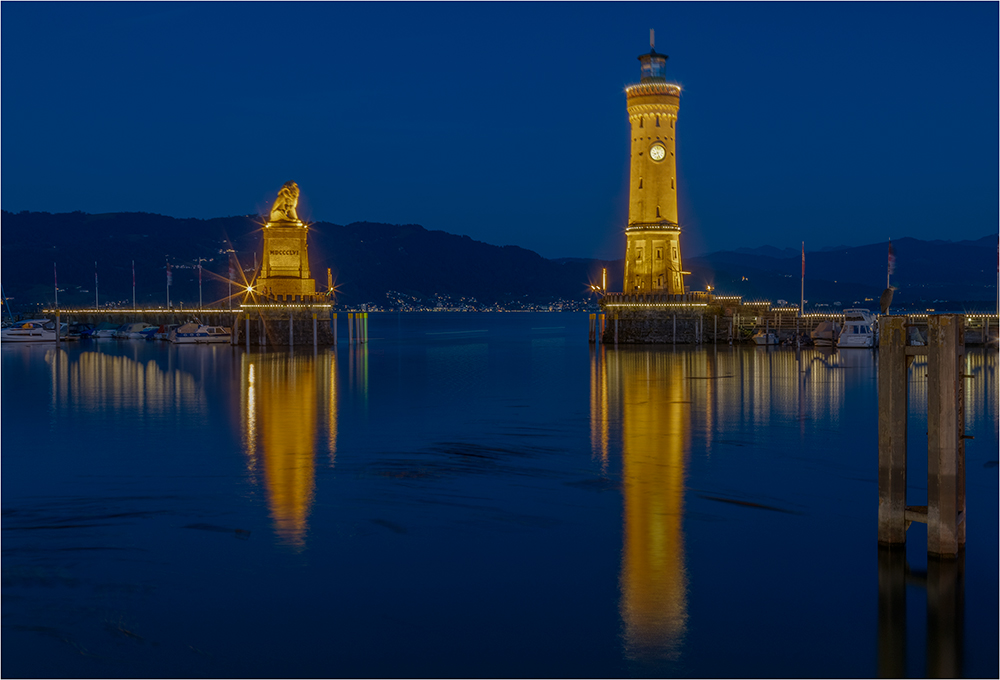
(284, 205)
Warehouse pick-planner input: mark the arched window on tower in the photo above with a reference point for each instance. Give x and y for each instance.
(657, 121)
(640, 182)
(640, 121)
(657, 211)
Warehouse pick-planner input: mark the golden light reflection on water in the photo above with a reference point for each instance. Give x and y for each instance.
(650, 389)
(654, 398)
(286, 398)
(98, 382)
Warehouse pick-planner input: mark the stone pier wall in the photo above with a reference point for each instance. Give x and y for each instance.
(270, 328)
(667, 326)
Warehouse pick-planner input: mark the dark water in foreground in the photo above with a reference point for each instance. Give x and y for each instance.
(469, 495)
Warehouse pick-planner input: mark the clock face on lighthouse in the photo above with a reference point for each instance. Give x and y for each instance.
(657, 152)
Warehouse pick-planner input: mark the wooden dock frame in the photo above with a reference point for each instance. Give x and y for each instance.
(944, 513)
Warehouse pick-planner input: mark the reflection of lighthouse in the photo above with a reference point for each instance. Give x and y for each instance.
(285, 397)
(655, 420)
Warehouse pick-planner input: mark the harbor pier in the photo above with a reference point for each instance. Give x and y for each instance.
(704, 318)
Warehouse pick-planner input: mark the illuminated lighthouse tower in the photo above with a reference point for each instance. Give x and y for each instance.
(652, 250)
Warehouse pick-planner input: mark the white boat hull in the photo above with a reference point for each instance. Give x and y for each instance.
(27, 335)
(203, 335)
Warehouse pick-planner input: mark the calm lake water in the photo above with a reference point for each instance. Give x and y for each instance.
(472, 495)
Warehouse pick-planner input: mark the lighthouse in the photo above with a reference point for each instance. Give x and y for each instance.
(652, 247)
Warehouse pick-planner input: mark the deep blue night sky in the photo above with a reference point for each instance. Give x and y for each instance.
(840, 123)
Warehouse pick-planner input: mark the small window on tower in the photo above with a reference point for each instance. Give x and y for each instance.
(671, 123)
(638, 255)
(657, 121)
(659, 281)
(671, 182)
(659, 253)
(640, 121)
(657, 211)
(640, 182)
(675, 253)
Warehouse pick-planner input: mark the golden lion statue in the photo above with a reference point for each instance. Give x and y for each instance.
(284, 205)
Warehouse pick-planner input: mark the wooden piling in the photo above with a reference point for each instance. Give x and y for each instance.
(945, 616)
(893, 391)
(945, 435)
(891, 611)
(591, 334)
(350, 328)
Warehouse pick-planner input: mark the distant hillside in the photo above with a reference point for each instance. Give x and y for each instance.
(368, 260)
(926, 271)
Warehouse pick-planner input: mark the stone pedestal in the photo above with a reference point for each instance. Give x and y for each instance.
(284, 273)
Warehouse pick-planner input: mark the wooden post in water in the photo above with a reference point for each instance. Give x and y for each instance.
(945, 616)
(944, 514)
(350, 328)
(602, 321)
(315, 333)
(891, 611)
(945, 434)
(893, 389)
(590, 332)
(366, 328)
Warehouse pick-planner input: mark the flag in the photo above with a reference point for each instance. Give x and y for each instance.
(892, 259)
(170, 277)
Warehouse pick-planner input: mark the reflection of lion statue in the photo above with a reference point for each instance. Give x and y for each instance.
(284, 205)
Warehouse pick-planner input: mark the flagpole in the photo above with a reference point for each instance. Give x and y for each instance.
(888, 266)
(802, 293)
(168, 285)
(199, 283)
(133, 284)
(95, 284)
(55, 283)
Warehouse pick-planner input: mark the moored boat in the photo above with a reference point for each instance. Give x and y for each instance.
(32, 330)
(762, 338)
(105, 329)
(825, 334)
(859, 329)
(135, 331)
(195, 333)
